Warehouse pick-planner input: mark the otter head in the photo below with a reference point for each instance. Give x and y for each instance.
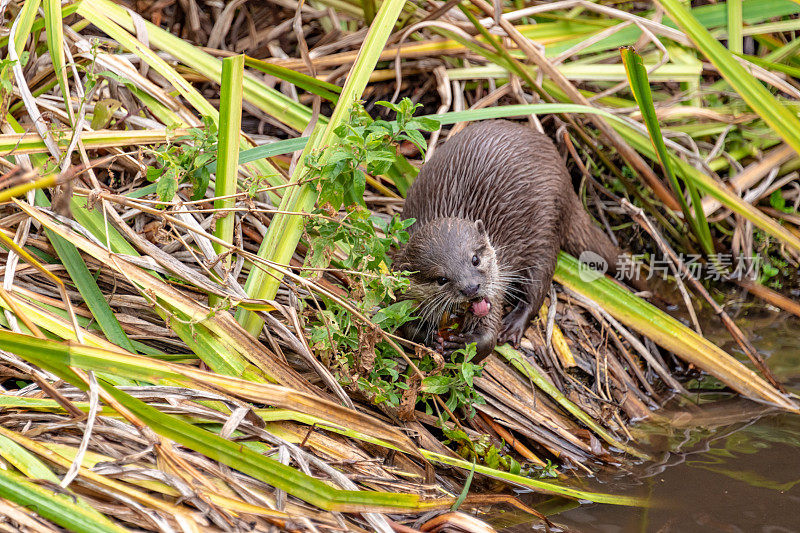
(455, 268)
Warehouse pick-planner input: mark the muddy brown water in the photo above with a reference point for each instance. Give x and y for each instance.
(731, 466)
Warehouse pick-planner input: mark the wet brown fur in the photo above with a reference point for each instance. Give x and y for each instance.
(513, 180)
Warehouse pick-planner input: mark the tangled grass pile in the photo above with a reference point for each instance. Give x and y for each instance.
(199, 210)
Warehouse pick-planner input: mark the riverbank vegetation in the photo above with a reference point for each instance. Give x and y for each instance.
(199, 209)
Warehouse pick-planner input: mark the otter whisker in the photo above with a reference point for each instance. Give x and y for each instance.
(427, 307)
(436, 306)
(430, 308)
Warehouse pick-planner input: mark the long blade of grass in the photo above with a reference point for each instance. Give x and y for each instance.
(285, 230)
(31, 143)
(90, 292)
(308, 83)
(24, 461)
(535, 484)
(640, 86)
(55, 44)
(87, 286)
(30, 259)
(27, 16)
(59, 508)
(94, 221)
(230, 125)
(770, 65)
(16, 191)
(669, 333)
(735, 25)
(782, 53)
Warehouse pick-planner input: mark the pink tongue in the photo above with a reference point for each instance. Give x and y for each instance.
(481, 308)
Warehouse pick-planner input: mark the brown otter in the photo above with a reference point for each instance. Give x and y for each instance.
(493, 206)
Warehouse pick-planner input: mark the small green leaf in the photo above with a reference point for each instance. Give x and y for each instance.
(200, 179)
(103, 112)
(388, 105)
(415, 137)
(424, 124)
(436, 384)
(154, 173)
(468, 371)
(167, 187)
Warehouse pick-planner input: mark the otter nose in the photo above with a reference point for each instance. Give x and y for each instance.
(471, 290)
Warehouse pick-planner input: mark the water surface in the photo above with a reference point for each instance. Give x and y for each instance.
(730, 466)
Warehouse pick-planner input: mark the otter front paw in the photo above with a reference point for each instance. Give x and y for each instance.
(453, 342)
(514, 325)
(484, 344)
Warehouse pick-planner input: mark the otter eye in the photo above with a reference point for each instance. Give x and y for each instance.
(476, 260)
(442, 280)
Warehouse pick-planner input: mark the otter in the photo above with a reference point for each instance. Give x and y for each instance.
(493, 206)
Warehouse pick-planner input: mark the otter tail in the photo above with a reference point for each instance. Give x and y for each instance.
(583, 235)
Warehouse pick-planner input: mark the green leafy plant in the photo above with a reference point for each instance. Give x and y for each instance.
(368, 143)
(185, 159)
(455, 382)
(361, 358)
(357, 355)
(482, 451)
(773, 269)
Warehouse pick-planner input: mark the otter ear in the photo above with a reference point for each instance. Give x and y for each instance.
(480, 227)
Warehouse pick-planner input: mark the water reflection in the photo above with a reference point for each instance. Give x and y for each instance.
(729, 466)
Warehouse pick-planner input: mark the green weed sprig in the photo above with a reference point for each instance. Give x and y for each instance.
(177, 163)
(359, 357)
(455, 382)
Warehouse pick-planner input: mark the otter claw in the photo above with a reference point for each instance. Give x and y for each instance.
(512, 333)
(453, 343)
(512, 338)
(514, 325)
